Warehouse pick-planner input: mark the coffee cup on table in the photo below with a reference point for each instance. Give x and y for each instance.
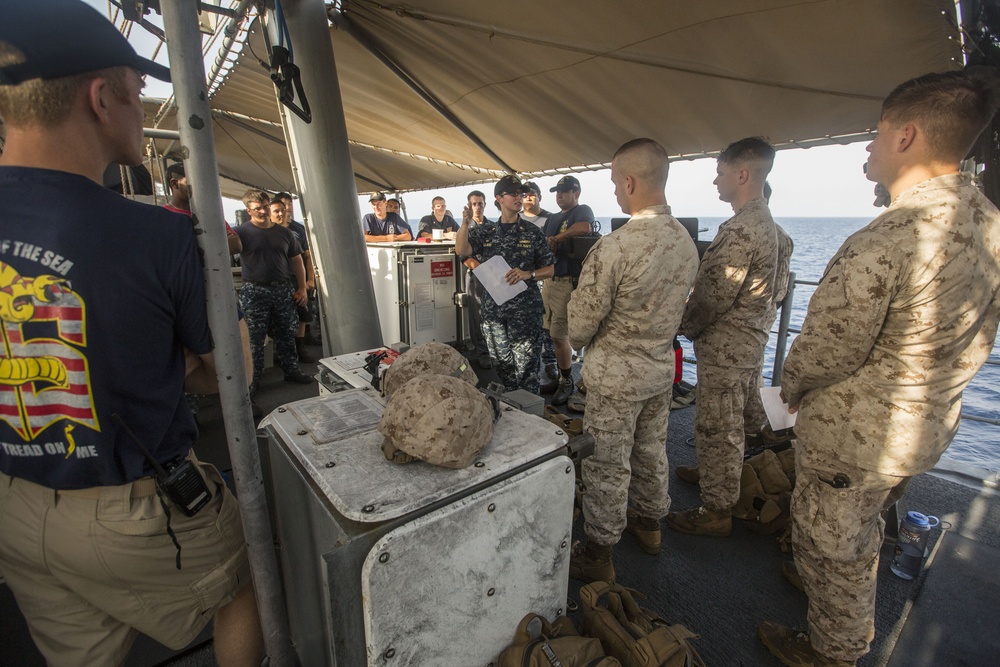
(437, 234)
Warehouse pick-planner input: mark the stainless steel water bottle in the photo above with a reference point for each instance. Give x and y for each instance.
(911, 546)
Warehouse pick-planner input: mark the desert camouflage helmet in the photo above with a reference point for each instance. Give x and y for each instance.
(439, 419)
(424, 359)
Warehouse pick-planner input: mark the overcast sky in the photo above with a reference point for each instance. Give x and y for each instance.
(826, 181)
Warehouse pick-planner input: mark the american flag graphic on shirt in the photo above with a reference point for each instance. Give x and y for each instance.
(43, 379)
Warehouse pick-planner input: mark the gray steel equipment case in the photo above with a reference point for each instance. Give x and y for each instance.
(387, 564)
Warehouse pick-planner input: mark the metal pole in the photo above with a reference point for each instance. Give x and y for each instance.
(188, 73)
(782, 341)
(154, 133)
(321, 152)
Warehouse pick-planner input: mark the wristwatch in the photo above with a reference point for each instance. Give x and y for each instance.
(532, 275)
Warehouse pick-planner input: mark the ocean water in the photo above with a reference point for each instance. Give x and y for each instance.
(816, 240)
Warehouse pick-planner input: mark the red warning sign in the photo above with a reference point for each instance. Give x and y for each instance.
(390, 354)
(442, 269)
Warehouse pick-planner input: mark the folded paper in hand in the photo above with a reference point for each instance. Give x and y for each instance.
(777, 410)
(491, 274)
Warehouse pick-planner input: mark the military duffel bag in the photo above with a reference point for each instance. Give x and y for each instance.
(634, 635)
(538, 643)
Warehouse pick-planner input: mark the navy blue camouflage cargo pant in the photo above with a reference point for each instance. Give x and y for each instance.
(475, 289)
(515, 344)
(270, 308)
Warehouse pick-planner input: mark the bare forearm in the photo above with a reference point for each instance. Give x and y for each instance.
(299, 269)
(200, 377)
(235, 245)
(545, 272)
(307, 263)
(576, 229)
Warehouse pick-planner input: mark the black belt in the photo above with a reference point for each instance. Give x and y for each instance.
(273, 283)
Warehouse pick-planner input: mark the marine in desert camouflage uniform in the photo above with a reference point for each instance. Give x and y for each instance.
(728, 316)
(905, 315)
(625, 310)
(754, 417)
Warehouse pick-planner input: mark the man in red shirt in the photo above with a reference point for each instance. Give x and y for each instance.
(180, 202)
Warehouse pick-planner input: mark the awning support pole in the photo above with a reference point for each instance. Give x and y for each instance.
(180, 20)
(781, 344)
(321, 153)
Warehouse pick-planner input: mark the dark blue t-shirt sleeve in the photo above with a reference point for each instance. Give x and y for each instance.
(187, 294)
(301, 235)
(476, 235)
(294, 249)
(425, 224)
(582, 213)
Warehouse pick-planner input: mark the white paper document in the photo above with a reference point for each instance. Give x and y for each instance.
(491, 274)
(777, 410)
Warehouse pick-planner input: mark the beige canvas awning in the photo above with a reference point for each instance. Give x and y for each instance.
(542, 86)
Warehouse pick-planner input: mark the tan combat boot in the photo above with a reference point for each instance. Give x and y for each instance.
(688, 474)
(591, 562)
(793, 649)
(645, 529)
(791, 574)
(702, 521)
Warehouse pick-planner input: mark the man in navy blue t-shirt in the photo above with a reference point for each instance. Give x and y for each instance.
(104, 324)
(573, 219)
(438, 219)
(274, 283)
(281, 213)
(380, 226)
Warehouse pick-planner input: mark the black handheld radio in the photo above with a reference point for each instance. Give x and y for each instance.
(178, 478)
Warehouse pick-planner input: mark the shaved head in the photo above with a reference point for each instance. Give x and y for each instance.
(639, 173)
(645, 160)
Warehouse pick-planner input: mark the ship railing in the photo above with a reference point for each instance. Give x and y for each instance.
(785, 328)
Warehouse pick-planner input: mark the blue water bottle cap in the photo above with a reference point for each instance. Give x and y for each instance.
(917, 519)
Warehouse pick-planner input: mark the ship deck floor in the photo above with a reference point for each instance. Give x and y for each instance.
(722, 588)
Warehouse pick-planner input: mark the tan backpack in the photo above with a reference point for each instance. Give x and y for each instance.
(634, 635)
(538, 643)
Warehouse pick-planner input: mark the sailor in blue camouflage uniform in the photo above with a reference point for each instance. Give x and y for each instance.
(513, 330)
(274, 283)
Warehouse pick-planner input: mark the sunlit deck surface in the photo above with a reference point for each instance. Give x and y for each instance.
(722, 588)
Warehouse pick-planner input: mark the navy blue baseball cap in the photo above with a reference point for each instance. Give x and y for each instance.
(509, 184)
(565, 184)
(65, 37)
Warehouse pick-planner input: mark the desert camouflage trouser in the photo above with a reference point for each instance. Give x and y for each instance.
(268, 308)
(836, 537)
(754, 416)
(718, 431)
(629, 461)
